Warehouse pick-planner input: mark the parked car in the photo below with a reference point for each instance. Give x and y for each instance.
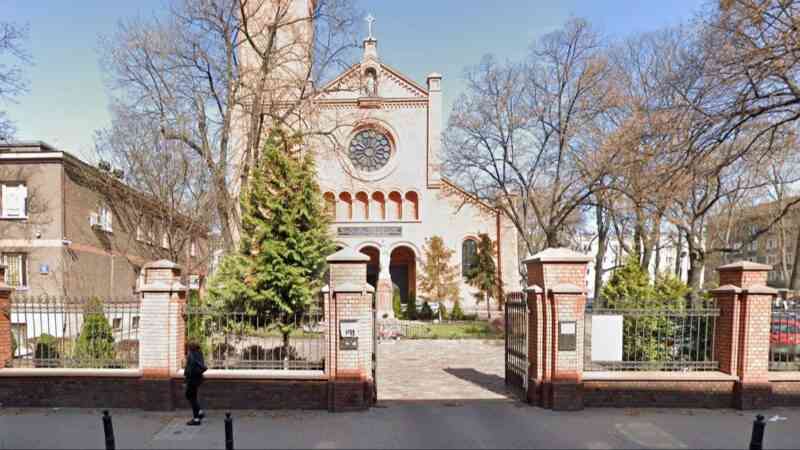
(784, 339)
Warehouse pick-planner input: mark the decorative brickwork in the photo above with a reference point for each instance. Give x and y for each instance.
(743, 331)
(5, 319)
(556, 300)
(349, 299)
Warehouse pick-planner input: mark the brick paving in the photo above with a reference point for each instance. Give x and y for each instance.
(441, 370)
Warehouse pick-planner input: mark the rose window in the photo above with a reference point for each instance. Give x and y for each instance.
(370, 150)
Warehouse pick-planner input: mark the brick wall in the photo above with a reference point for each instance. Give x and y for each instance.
(662, 394)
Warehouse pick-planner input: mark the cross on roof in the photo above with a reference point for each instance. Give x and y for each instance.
(370, 20)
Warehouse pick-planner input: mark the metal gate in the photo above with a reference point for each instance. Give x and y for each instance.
(516, 339)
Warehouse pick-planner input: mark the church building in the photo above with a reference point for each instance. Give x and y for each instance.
(383, 184)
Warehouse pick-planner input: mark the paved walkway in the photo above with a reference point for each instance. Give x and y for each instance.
(468, 369)
(469, 424)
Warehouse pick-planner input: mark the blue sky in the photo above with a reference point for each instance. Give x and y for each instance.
(68, 99)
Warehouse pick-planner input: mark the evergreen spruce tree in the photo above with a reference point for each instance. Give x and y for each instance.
(483, 275)
(280, 263)
(439, 279)
(646, 338)
(96, 342)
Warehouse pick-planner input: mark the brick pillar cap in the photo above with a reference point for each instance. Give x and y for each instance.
(161, 264)
(745, 265)
(761, 290)
(162, 286)
(566, 288)
(560, 254)
(534, 288)
(726, 289)
(347, 255)
(354, 287)
(325, 289)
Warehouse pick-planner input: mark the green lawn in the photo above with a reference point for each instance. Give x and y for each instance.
(458, 330)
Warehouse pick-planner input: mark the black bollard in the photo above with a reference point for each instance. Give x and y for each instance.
(757, 439)
(108, 429)
(228, 432)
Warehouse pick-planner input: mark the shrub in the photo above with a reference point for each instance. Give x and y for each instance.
(457, 313)
(411, 309)
(46, 351)
(254, 352)
(96, 341)
(442, 311)
(425, 313)
(13, 345)
(223, 350)
(397, 302)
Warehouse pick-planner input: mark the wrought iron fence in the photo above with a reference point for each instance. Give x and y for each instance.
(784, 336)
(516, 340)
(239, 340)
(440, 329)
(650, 339)
(87, 332)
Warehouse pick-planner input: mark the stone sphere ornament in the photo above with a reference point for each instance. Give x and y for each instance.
(370, 150)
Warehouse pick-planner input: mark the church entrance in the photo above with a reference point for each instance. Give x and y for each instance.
(374, 265)
(403, 269)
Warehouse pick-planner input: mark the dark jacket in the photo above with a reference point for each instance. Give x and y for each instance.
(195, 366)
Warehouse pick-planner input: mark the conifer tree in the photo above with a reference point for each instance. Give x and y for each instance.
(439, 279)
(483, 275)
(95, 344)
(280, 262)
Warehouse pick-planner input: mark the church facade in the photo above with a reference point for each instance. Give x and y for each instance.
(383, 187)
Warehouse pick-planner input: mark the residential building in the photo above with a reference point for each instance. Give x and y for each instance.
(69, 228)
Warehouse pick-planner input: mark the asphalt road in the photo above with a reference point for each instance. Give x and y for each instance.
(432, 424)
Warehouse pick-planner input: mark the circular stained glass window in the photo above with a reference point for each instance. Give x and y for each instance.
(370, 150)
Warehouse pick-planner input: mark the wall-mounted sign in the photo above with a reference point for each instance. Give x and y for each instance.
(348, 334)
(607, 337)
(567, 336)
(369, 231)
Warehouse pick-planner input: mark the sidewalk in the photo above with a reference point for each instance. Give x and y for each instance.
(467, 424)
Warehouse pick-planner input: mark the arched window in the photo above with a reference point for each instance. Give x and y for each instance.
(330, 205)
(411, 211)
(361, 207)
(469, 256)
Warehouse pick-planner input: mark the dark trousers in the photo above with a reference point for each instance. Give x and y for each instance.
(191, 395)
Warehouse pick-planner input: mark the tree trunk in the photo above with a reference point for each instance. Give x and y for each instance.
(602, 245)
(794, 282)
(286, 348)
(696, 263)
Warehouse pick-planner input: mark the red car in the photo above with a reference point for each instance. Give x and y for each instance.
(784, 340)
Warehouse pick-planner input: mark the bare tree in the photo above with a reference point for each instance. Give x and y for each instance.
(175, 181)
(215, 74)
(12, 82)
(527, 136)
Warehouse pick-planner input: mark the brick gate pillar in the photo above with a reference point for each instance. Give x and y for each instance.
(6, 353)
(556, 297)
(348, 312)
(743, 330)
(162, 331)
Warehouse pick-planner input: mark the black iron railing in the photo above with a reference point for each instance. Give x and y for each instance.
(74, 332)
(651, 339)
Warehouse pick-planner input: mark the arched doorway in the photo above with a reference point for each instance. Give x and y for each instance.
(403, 269)
(374, 265)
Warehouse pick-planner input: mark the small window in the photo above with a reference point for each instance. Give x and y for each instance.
(469, 256)
(139, 233)
(116, 324)
(193, 249)
(13, 201)
(104, 219)
(16, 269)
(194, 282)
(135, 323)
(165, 240)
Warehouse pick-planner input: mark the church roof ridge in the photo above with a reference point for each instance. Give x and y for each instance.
(330, 86)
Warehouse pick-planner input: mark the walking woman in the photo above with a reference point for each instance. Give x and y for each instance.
(193, 373)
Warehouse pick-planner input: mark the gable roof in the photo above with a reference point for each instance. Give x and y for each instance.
(412, 87)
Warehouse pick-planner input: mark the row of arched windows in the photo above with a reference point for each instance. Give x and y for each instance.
(375, 206)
